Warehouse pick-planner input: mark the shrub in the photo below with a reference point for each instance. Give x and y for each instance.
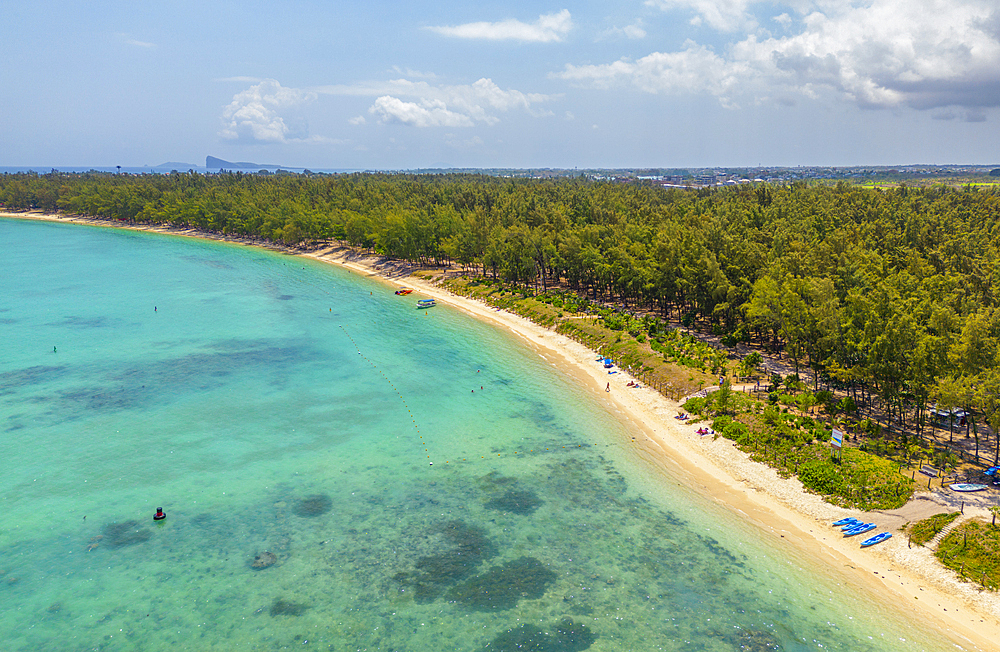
(695, 405)
(923, 531)
(847, 404)
(721, 422)
(736, 432)
(822, 476)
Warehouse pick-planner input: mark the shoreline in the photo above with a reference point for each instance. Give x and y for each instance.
(891, 572)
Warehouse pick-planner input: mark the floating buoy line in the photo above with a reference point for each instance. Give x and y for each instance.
(394, 388)
(413, 419)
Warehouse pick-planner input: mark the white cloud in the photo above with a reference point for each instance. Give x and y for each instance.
(430, 113)
(694, 70)
(428, 105)
(409, 72)
(723, 15)
(254, 115)
(140, 44)
(633, 31)
(922, 54)
(358, 120)
(548, 28)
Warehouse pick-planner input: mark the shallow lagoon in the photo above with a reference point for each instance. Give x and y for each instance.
(284, 413)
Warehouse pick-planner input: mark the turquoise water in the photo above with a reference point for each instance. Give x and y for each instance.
(341, 471)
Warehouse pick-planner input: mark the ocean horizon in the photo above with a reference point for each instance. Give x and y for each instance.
(342, 471)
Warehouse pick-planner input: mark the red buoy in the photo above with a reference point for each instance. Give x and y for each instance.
(159, 515)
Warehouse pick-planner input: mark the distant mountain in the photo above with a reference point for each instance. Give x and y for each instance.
(213, 163)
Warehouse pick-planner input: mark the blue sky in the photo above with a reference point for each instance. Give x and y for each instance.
(657, 83)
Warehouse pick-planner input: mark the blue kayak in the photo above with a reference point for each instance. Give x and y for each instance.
(878, 538)
(860, 529)
(850, 520)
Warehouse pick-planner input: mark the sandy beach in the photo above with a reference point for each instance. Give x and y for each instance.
(908, 577)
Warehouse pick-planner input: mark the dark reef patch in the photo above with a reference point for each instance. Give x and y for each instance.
(518, 501)
(755, 640)
(494, 480)
(468, 548)
(217, 264)
(314, 505)
(567, 636)
(501, 587)
(127, 533)
(286, 297)
(263, 560)
(138, 387)
(282, 607)
(11, 380)
(84, 322)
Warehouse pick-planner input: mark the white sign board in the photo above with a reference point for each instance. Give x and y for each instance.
(837, 439)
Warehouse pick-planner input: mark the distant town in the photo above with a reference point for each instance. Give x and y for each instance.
(714, 177)
(687, 178)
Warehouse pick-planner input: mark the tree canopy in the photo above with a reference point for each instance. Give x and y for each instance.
(896, 290)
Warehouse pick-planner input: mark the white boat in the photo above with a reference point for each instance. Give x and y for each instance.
(963, 486)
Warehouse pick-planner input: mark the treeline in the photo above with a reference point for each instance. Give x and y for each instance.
(892, 291)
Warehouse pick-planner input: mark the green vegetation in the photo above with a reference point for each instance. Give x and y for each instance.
(923, 531)
(973, 551)
(891, 296)
(796, 444)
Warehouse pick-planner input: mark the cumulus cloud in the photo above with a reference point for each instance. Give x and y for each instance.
(429, 113)
(696, 69)
(923, 54)
(548, 28)
(428, 105)
(255, 115)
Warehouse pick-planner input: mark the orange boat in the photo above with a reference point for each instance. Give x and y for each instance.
(402, 291)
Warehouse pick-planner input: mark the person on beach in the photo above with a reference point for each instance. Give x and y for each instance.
(608, 388)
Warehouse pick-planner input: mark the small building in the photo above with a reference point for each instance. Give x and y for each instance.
(948, 418)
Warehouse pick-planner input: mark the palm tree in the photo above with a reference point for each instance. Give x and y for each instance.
(995, 510)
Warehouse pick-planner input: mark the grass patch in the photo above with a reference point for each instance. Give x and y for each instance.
(923, 531)
(973, 551)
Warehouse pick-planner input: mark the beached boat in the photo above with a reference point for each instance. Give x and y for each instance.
(850, 520)
(404, 291)
(425, 303)
(878, 538)
(964, 486)
(860, 529)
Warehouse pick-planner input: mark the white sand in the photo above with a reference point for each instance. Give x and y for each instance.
(722, 472)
